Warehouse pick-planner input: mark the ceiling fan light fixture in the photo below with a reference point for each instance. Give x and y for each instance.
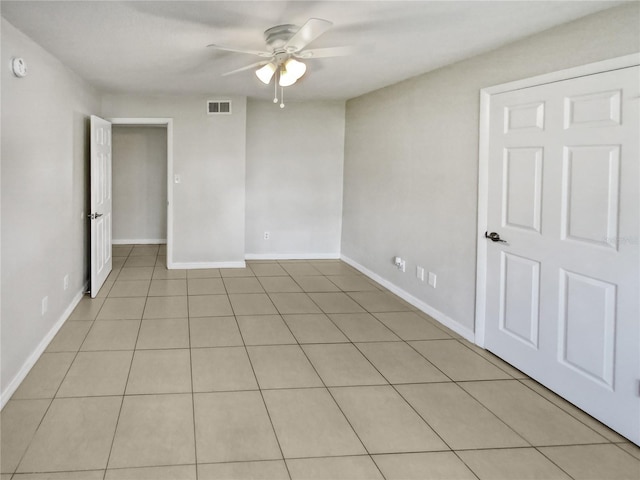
(295, 67)
(286, 78)
(266, 72)
(290, 71)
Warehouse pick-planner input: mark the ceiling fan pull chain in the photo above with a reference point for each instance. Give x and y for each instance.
(275, 86)
(282, 97)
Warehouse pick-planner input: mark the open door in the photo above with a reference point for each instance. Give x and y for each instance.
(101, 207)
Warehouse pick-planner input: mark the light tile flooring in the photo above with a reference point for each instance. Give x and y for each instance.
(290, 369)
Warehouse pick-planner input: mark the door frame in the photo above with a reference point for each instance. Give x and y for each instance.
(483, 162)
(168, 123)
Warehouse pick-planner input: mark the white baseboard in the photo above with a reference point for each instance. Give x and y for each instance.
(138, 241)
(292, 256)
(199, 265)
(448, 322)
(42, 346)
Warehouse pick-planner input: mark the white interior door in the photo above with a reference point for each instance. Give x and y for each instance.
(562, 301)
(100, 216)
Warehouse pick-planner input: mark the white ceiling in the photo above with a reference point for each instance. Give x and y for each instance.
(159, 47)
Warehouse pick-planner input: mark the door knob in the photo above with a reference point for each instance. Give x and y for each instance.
(494, 237)
(93, 216)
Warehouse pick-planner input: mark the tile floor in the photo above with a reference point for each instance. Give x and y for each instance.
(290, 369)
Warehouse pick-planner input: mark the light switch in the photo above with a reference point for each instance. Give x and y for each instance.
(177, 179)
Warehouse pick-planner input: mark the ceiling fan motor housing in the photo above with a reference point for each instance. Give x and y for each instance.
(276, 37)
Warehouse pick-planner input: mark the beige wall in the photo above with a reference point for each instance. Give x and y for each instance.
(411, 158)
(294, 178)
(139, 184)
(44, 196)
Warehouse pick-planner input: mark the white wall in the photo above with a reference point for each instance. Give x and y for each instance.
(44, 197)
(209, 155)
(139, 184)
(411, 158)
(294, 179)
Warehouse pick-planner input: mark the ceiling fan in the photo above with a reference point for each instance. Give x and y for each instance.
(285, 48)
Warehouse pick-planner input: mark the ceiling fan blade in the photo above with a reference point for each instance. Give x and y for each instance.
(326, 52)
(307, 34)
(241, 50)
(248, 67)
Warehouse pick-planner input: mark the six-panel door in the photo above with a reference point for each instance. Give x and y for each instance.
(563, 293)
(101, 203)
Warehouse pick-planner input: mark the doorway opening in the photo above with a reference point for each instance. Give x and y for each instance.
(142, 187)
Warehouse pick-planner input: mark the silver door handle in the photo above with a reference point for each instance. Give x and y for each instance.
(93, 216)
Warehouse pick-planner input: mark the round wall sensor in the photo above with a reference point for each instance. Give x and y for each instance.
(19, 67)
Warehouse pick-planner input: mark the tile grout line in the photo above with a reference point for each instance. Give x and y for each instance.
(489, 358)
(264, 402)
(398, 393)
(471, 396)
(394, 385)
(433, 429)
(193, 393)
(336, 403)
(512, 380)
(124, 393)
(327, 388)
(537, 449)
(565, 411)
(619, 445)
(381, 374)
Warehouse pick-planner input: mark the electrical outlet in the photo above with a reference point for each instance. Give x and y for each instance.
(45, 305)
(420, 273)
(432, 279)
(66, 282)
(399, 263)
(267, 235)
